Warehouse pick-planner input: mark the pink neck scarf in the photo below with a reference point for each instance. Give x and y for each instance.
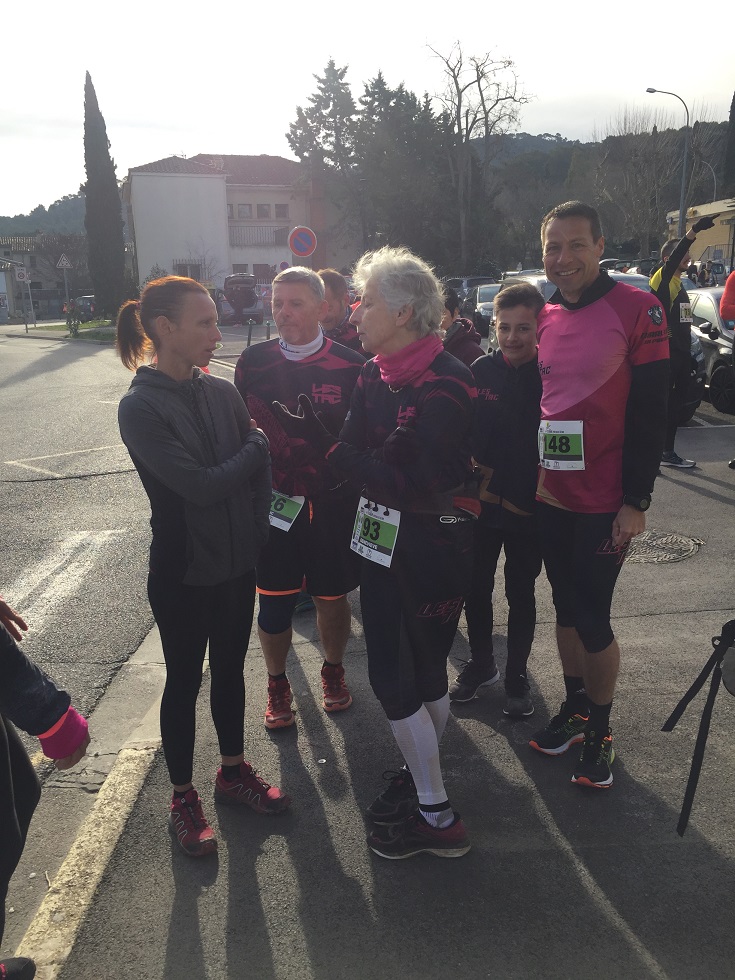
(408, 364)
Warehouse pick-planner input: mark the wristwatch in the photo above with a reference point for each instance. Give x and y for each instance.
(640, 503)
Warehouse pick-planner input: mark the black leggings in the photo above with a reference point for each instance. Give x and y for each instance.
(188, 617)
(20, 792)
(582, 567)
(680, 368)
(522, 568)
(410, 612)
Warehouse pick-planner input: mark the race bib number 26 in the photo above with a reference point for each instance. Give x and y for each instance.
(284, 510)
(561, 445)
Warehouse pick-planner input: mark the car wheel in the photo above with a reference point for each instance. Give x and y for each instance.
(722, 390)
(258, 319)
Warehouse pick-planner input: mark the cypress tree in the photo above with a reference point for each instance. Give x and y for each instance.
(103, 217)
(729, 165)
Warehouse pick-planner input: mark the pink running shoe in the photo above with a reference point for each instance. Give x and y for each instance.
(189, 826)
(336, 696)
(279, 713)
(250, 789)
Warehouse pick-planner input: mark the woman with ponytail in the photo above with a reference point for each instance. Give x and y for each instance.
(206, 469)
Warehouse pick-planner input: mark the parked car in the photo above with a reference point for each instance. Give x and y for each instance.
(478, 307)
(716, 337)
(242, 300)
(618, 265)
(522, 273)
(85, 306)
(463, 284)
(697, 376)
(644, 267)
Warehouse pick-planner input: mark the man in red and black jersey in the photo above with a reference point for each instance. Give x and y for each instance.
(336, 320)
(313, 507)
(603, 359)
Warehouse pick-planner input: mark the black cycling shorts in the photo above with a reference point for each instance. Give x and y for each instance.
(582, 567)
(315, 548)
(410, 611)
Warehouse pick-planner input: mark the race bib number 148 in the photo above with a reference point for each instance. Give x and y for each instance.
(561, 445)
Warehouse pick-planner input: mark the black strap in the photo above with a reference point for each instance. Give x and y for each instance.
(721, 645)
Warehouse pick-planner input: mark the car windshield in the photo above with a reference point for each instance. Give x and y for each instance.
(640, 282)
(486, 294)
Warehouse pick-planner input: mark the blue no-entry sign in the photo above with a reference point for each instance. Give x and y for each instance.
(302, 242)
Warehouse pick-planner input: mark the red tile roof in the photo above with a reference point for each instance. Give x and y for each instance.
(176, 165)
(262, 169)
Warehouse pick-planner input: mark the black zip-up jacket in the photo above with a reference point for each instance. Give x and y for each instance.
(28, 696)
(206, 473)
(505, 440)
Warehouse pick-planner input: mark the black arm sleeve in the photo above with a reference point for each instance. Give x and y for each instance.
(645, 426)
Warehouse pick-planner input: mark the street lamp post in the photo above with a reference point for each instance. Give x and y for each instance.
(714, 178)
(682, 216)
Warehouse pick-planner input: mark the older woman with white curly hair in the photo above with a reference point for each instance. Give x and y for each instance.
(406, 444)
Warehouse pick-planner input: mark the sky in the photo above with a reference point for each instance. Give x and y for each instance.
(188, 78)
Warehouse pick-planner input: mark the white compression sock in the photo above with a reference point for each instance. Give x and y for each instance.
(417, 740)
(439, 711)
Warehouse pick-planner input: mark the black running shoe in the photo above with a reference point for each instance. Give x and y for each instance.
(396, 802)
(595, 761)
(471, 678)
(674, 459)
(563, 731)
(518, 703)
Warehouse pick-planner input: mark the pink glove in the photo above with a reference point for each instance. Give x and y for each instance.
(65, 737)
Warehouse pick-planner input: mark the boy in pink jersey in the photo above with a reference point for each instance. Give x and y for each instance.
(603, 360)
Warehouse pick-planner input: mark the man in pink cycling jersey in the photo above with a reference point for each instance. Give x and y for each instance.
(603, 359)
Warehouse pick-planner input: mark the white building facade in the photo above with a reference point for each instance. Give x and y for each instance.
(209, 216)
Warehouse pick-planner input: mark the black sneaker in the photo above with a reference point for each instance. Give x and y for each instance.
(563, 731)
(674, 459)
(416, 836)
(471, 678)
(595, 761)
(396, 802)
(518, 703)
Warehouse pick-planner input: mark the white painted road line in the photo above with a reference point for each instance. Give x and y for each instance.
(26, 462)
(72, 452)
(45, 585)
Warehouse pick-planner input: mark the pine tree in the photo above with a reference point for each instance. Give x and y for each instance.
(328, 123)
(729, 165)
(103, 217)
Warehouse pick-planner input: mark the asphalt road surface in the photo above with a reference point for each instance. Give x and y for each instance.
(559, 880)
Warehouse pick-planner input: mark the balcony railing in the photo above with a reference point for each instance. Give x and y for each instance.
(241, 235)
